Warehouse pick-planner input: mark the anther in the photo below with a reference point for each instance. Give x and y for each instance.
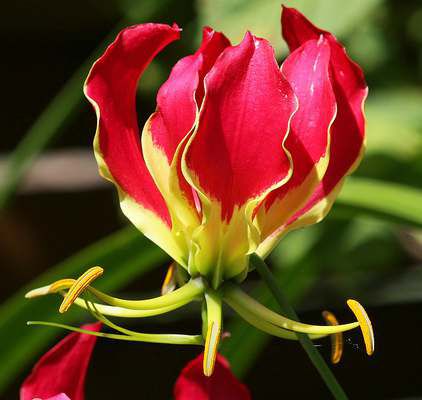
(211, 346)
(79, 286)
(169, 283)
(336, 338)
(365, 325)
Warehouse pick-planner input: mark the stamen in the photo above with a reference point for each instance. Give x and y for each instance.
(235, 295)
(211, 346)
(213, 302)
(336, 338)
(265, 326)
(121, 312)
(79, 286)
(169, 283)
(147, 337)
(185, 294)
(61, 284)
(365, 325)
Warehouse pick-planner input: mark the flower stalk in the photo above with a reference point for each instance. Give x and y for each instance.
(312, 352)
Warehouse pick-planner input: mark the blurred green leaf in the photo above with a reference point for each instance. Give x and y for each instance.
(394, 123)
(124, 255)
(262, 17)
(388, 200)
(64, 105)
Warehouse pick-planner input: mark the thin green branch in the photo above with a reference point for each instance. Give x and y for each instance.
(312, 352)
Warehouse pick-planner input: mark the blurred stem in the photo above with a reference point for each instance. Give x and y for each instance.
(312, 352)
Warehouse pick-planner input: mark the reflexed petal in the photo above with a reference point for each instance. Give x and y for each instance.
(174, 118)
(111, 88)
(176, 104)
(222, 385)
(348, 130)
(236, 156)
(307, 70)
(237, 152)
(62, 369)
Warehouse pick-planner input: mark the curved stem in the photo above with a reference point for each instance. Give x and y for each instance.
(263, 325)
(237, 295)
(147, 337)
(312, 352)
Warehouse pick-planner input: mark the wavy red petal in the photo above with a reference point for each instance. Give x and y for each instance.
(179, 97)
(306, 69)
(350, 89)
(112, 85)
(62, 369)
(237, 151)
(176, 105)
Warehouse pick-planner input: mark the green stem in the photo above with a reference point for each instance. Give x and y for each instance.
(312, 352)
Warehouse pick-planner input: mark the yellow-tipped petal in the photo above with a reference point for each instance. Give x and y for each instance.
(365, 325)
(336, 339)
(211, 346)
(79, 286)
(169, 283)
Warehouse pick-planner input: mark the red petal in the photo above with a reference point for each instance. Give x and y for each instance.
(348, 130)
(306, 69)
(176, 105)
(62, 369)
(111, 86)
(180, 96)
(222, 385)
(236, 154)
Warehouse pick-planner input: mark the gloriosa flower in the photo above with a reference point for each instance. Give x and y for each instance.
(238, 152)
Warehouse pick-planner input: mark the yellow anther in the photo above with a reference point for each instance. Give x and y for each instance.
(365, 325)
(336, 338)
(78, 286)
(169, 283)
(211, 346)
